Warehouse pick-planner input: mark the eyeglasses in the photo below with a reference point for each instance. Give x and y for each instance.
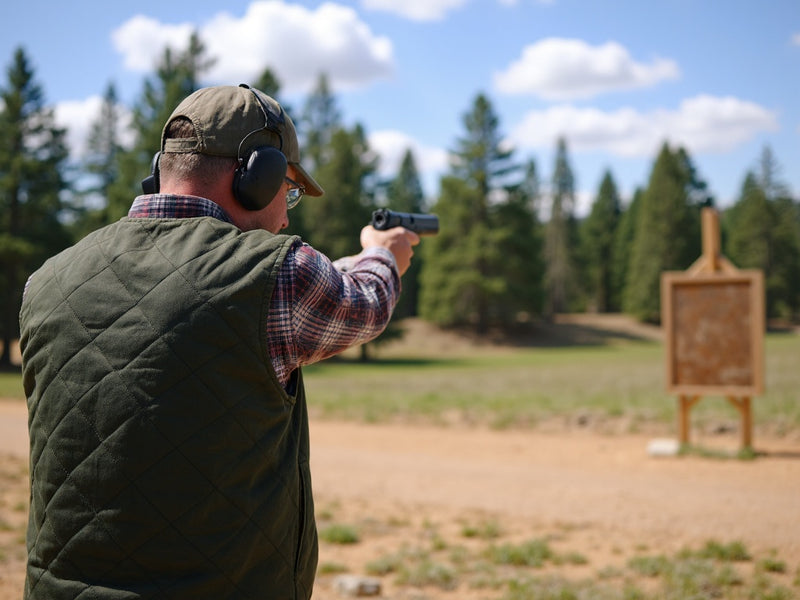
(294, 194)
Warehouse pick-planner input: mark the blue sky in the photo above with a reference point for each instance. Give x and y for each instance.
(616, 79)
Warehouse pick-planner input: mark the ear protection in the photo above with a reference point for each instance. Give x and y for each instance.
(260, 173)
(151, 184)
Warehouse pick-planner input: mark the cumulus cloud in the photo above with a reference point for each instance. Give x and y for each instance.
(426, 10)
(416, 10)
(141, 40)
(391, 145)
(564, 69)
(703, 124)
(77, 116)
(296, 43)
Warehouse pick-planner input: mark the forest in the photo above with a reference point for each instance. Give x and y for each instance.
(511, 249)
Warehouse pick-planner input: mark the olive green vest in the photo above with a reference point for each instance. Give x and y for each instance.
(167, 460)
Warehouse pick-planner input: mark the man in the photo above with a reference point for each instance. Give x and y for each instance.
(161, 361)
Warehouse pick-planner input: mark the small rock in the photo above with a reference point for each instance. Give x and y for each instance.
(356, 585)
(663, 447)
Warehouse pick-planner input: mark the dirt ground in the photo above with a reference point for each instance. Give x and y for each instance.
(414, 491)
(405, 487)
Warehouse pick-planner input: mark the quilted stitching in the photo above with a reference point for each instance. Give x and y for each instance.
(99, 437)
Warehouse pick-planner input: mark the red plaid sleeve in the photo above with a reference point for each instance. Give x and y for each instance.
(319, 309)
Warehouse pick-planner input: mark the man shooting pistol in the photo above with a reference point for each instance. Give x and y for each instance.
(421, 224)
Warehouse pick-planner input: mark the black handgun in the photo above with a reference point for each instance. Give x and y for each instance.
(421, 224)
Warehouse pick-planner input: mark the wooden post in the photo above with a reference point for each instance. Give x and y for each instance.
(745, 410)
(711, 240)
(685, 404)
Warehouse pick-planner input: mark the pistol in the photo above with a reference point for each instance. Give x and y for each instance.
(421, 224)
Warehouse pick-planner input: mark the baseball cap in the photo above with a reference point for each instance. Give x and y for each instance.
(229, 120)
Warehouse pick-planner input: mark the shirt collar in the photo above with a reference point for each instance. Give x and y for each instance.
(170, 206)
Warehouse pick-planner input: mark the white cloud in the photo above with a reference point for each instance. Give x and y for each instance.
(703, 124)
(296, 43)
(392, 145)
(427, 10)
(77, 117)
(416, 10)
(562, 69)
(141, 41)
(796, 39)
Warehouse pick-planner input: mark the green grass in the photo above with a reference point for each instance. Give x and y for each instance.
(339, 534)
(522, 387)
(11, 386)
(534, 569)
(617, 383)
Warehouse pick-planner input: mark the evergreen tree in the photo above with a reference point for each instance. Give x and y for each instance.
(518, 236)
(623, 244)
(101, 163)
(763, 232)
(321, 119)
(268, 83)
(667, 232)
(479, 157)
(451, 280)
(404, 193)
(336, 219)
(475, 266)
(315, 130)
(598, 243)
(33, 157)
(176, 77)
(783, 284)
(561, 237)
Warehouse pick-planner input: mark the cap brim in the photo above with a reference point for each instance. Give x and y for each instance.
(312, 188)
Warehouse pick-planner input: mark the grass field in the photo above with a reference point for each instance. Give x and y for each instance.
(618, 386)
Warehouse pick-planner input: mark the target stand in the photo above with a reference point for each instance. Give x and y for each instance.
(713, 320)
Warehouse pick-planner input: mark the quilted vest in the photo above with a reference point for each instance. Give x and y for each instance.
(167, 461)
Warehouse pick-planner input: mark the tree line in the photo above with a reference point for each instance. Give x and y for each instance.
(511, 248)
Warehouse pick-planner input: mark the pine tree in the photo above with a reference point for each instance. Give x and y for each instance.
(476, 268)
(315, 129)
(623, 244)
(268, 83)
(101, 163)
(176, 77)
(763, 232)
(561, 237)
(667, 232)
(450, 280)
(404, 193)
(320, 120)
(598, 241)
(336, 219)
(33, 156)
(518, 236)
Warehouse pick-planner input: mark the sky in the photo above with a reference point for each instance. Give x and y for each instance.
(616, 80)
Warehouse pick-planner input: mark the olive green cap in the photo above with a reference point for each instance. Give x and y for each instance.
(233, 120)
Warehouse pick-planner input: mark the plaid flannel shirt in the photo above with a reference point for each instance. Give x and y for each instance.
(318, 308)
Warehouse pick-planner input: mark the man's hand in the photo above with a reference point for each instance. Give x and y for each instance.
(398, 241)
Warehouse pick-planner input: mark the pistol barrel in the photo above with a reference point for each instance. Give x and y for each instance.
(422, 224)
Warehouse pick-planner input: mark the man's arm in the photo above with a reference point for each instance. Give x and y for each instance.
(318, 310)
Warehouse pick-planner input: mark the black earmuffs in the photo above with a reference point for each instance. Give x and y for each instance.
(260, 173)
